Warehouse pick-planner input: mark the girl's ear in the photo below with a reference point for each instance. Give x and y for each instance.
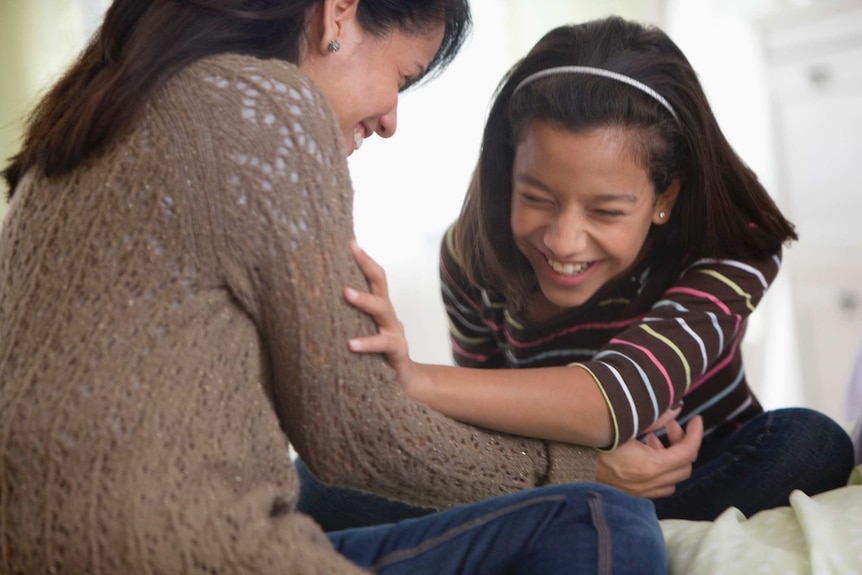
(332, 19)
(665, 201)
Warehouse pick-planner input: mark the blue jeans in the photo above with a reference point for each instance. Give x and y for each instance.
(757, 466)
(572, 529)
(753, 468)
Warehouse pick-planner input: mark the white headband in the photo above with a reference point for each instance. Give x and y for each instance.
(599, 72)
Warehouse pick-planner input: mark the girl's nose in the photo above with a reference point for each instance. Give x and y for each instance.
(566, 237)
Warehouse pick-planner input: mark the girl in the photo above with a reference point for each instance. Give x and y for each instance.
(613, 242)
(170, 317)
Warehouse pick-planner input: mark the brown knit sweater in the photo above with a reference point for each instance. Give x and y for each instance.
(171, 315)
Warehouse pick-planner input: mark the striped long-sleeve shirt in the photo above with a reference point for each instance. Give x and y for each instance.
(648, 340)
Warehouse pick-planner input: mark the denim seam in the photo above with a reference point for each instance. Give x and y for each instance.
(603, 535)
(403, 554)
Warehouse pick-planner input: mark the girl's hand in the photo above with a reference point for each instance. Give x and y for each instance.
(390, 339)
(650, 469)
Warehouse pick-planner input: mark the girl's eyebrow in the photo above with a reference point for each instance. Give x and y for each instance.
(533, 182)
(621, 197)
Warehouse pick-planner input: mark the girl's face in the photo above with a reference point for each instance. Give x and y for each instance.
(363, 78)
(581, 208)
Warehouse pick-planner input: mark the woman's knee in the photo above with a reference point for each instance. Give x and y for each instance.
(629, 536)
(615, 510)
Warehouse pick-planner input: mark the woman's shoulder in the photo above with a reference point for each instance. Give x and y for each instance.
(281, 75)
(254, 91)
(255, 107)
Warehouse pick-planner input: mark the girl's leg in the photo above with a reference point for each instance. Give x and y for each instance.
(572, 529)
(335, 508)
(759, 465)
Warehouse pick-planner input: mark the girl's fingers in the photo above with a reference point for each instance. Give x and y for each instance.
(364, 301)
(674, 431)
(660, 492)
(653, 441)
(664, 418)
(380, 309)
(665, 484)
(379, 343)
(374, 272)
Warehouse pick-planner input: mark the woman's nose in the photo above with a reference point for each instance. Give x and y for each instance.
(388, 123)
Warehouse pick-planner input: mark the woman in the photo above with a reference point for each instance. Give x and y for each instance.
(171, 320)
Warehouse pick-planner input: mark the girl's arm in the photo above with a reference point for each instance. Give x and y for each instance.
(556, 403)
(647, 469)
(687, 344)
(603, 402)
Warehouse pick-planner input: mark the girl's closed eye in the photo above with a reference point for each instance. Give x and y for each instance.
(608, 213)
(534, 199)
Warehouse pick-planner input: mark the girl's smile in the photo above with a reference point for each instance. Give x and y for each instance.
(569, 273)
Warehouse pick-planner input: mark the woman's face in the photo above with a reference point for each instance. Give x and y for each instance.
(581, 208)
(363, 78)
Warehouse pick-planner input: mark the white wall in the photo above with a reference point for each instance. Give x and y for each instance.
(722, 43)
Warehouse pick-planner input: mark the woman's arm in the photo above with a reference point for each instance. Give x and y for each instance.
(285, 216)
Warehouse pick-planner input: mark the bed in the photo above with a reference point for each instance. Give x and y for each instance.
(819, 535)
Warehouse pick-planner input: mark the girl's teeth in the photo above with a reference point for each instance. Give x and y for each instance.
(568, 269)
(358, 138)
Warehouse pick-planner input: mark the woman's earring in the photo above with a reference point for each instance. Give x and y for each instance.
(661, 215)
(333, 46)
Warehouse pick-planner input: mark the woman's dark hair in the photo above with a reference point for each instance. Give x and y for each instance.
(722, 210)
(142, 43)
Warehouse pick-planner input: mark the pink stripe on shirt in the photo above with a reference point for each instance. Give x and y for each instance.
(655, 361)
(464, 353)
(701, 294)
(717, 367)
(574, 328)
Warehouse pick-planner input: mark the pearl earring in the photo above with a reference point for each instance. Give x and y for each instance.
(333, 46)
(661, 215)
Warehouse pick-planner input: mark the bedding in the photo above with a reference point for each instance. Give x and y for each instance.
(820, 535)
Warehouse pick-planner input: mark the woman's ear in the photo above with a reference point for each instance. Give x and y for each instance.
(665, 201)
(333, 18)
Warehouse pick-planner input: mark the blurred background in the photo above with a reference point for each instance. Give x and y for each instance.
(784, 78)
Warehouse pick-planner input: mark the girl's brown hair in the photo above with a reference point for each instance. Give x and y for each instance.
(722, 209)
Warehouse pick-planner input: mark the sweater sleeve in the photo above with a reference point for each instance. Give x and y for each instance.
(688, 333)
(471, 333)
(285, 205)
